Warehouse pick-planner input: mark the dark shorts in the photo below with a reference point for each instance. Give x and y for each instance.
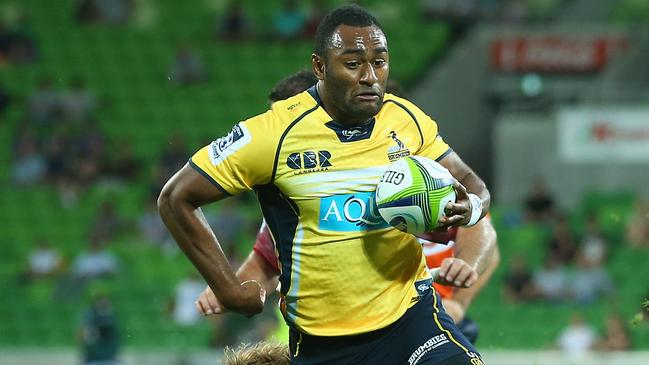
(425, 334)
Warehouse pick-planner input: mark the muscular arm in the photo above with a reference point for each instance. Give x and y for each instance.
(475, 252)
(477, 246)
(476, 256)
(179, 205)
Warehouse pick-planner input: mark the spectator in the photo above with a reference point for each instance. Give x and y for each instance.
(78, 103)
(123, 166)
(234, 26)
(539, 203)
(95, 262)
(637, 227)
(616, 335)
(88, 154)
(593, 246)
(518, 281)
(5, 99)
(107, 224)
(43, 262)
(316, 13)
(99, 334)
(289, 21)
(187, 67)
(104, 11)
(184, 304)
(151, 228)
(17, 42)
(562, 243)
(58, 159)
(589, 281)
(29, 165)
(174, 156)
(550, 281)
(43, 105)
(578, 338)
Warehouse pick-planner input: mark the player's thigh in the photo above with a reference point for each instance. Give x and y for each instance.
(427, 335)
(459, 359)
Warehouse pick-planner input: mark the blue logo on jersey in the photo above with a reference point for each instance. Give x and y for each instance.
(350, 213)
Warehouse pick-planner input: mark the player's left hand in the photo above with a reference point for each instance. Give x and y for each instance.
(458, 213)
(456, 272)
(207, 303)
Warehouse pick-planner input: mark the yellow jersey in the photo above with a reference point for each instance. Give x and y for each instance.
(344, 270)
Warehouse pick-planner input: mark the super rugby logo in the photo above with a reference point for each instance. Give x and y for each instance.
(350, 212)
(223, 147)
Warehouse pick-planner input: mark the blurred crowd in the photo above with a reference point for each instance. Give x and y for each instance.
(574, 269)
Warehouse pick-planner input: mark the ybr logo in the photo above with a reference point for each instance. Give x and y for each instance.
(350, 212)
(308, 160)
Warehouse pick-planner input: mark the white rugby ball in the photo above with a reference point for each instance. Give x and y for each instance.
(413, 192)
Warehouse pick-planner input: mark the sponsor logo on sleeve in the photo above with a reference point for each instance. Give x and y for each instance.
(223, 147)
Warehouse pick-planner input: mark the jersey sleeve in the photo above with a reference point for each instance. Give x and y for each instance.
(265, 248)
(240, 160)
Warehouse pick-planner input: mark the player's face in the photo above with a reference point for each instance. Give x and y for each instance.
(355, 72)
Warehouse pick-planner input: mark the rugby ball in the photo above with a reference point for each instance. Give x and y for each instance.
(413, 192)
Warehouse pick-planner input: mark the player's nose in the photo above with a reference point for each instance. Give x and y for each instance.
(368, 75)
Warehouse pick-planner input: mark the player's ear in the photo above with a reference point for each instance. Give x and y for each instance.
(318, 66)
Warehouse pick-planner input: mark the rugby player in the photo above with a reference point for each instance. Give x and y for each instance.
(353, 289)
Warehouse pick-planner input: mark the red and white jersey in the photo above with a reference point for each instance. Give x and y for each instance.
(265, 247)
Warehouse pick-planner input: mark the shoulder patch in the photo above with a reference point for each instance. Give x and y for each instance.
(223, 147)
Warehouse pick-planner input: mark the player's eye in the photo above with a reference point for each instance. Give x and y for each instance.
(379, 62)
(351, 64)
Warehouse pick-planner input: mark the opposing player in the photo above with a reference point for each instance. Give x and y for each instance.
(352, 293)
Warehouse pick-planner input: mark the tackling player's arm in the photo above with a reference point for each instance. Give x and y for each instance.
(179, 205)
(477, 247)
(473, 198)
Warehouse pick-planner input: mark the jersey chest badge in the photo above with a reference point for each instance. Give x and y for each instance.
(398, 150)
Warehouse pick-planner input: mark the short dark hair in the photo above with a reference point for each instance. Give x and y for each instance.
(292, 85)
(351, 14)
